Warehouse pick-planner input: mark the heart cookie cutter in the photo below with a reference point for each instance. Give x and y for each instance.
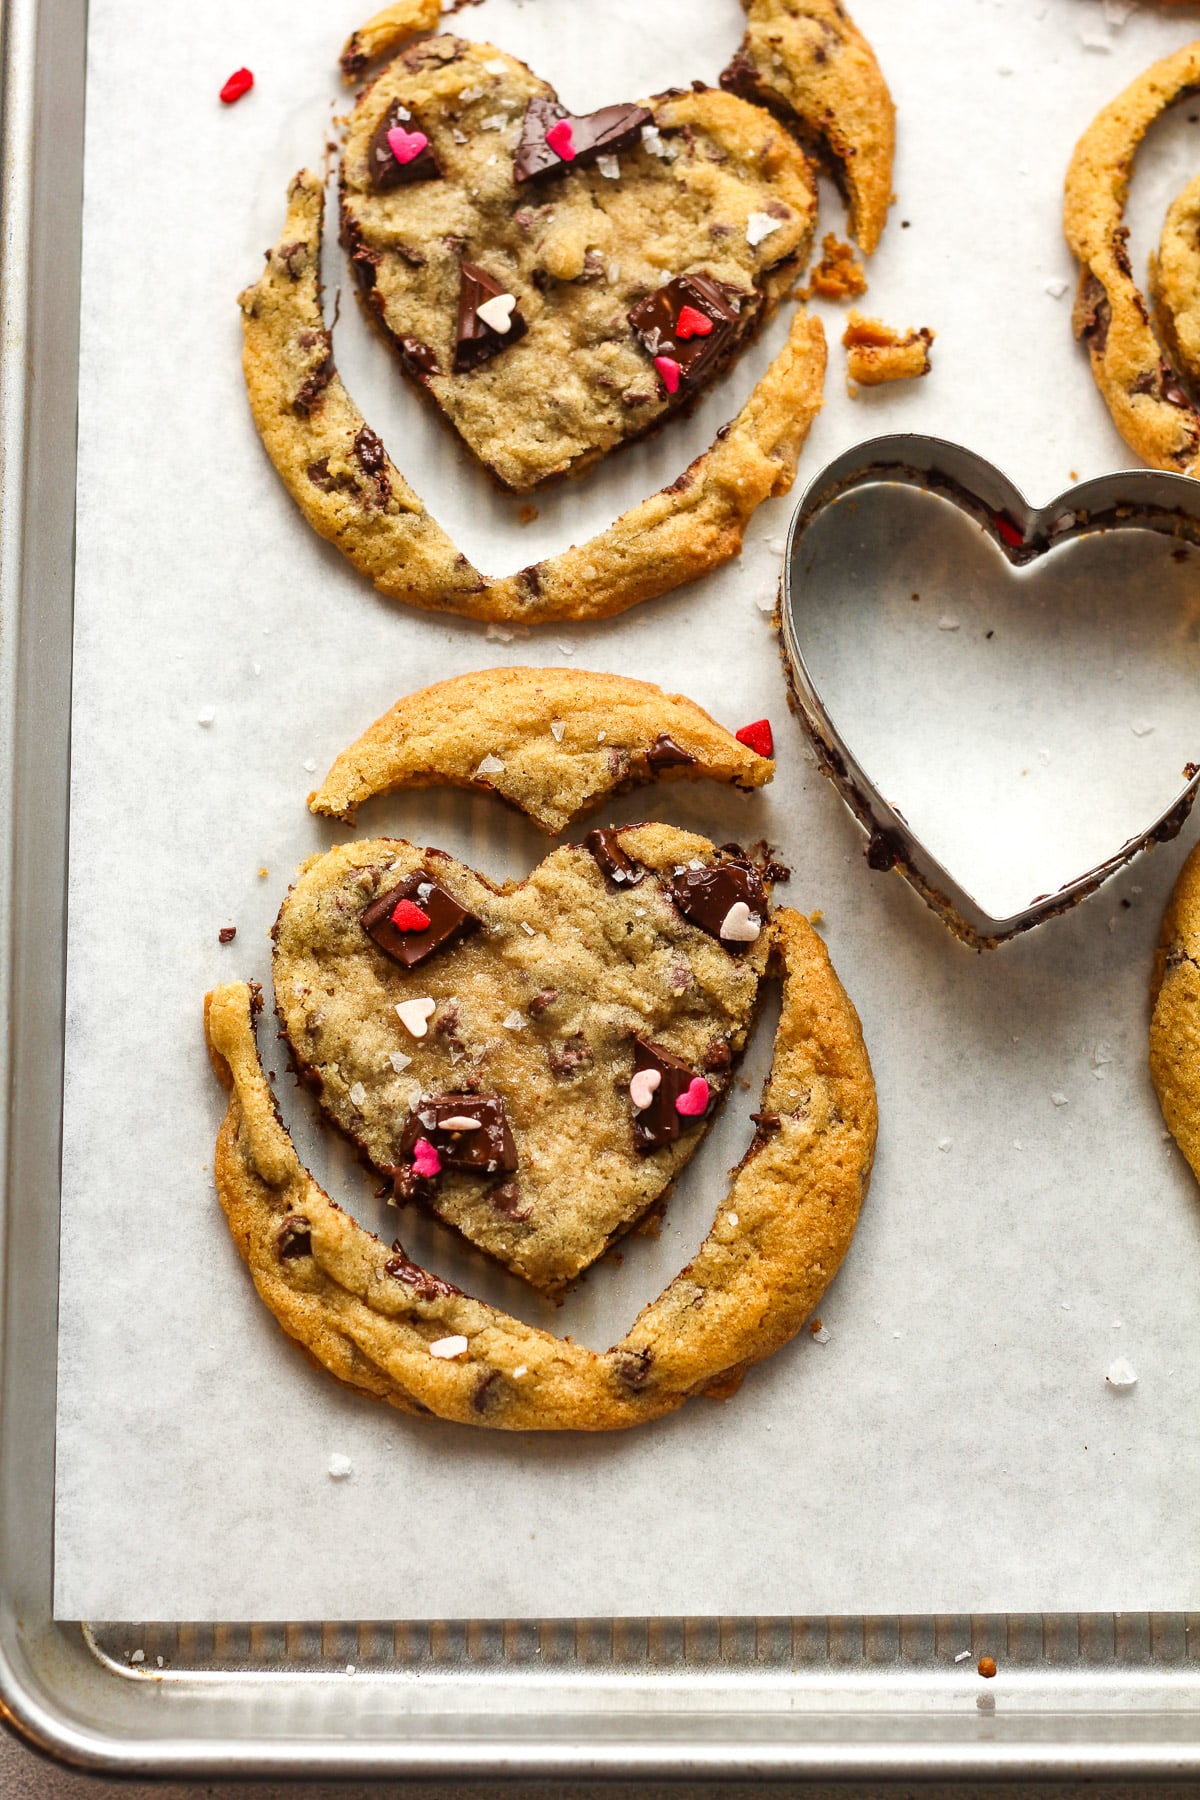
(1144, 499)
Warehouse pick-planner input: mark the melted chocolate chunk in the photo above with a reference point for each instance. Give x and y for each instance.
(387, 172)
(632, 1368)
(614, 863)
(419, 358)
(424, 1285)
(227, 934)
(477, 342)
(592, 134)
(704, 896)
(573, 1056)
(717, 1056)
(660, 1123)
(507, 1200)
(295, 1238)
(656, 321)
(489, 1148)
(665, 753)
(448, 921)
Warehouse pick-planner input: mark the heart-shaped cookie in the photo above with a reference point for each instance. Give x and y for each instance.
(975, 617)
(559, 283)
(480, 1043)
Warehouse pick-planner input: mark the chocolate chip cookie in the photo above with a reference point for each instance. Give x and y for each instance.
(482, 1044)
(1175, 1025)
(553, 742)
(393, 1330)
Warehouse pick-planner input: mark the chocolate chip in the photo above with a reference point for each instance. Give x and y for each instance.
(486, 1392)
(420, 359)
(593, 134)
(632, 1368)
(704, 896)
(1092, 315)
(369, 452)
(227, 934)
(656, 319)
(768, 1123)
(540, 1002)
(507, 1200)
(660, 1123)
(489, 1147)
(665, 753)
(317, 379)
(423, 1284)
(573, 1056)
(294, 1239)
(476, 341)
(614, 863)
(717, 1056)
(387, 171)
(448, 921)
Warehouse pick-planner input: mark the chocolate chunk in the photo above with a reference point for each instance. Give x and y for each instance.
(370, 453)
(768, 1123)
(592, 134)
(704, 896)
(318, 377)
(294, 1239)
(614, 863)
(420, 359)
(632, 1368)
(448, 921)
(506, 1198)
(387, 171)
(660, 1123)
(1091, 315)
(423, 1284)
(227, 934)
(656, 322)
(489, 1147)
(573, 1056)
(540, 1002)
(717, 1056)
(477, 342)
(665, 753)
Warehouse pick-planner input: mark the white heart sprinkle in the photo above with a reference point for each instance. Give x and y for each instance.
(740, 925)
(448, 1348)
(759, 225)
(643, 1088)
(414, 1015)
(497, 312)
(459, 1122)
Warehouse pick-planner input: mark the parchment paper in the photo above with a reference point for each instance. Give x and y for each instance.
(952, 1446)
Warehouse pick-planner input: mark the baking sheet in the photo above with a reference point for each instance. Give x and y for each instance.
(952, 1445)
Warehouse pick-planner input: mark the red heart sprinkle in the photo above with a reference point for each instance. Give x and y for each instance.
(406, 146)
(239, 83)
(407, 917)
(757, 737)
(695, 1101)
(561, 140)
(691, 323)
(669, 372)
(1008, 531)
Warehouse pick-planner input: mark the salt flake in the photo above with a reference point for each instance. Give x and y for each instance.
(340, 1467)
(500, 634)
(398, 1060)
(610, 167)
(1122, 1376)
(759, 225)
(206, 715)
(948, 623)
(491, 765)
(1056, 288)
(515, 1021)
(557, 728)
(358, 1094)
(447, 1348)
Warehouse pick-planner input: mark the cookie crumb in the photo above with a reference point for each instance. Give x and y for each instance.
(340, 1467)
(263, 873)
(527, 515)
(838, 275)
(987, 1667)
(877, 352)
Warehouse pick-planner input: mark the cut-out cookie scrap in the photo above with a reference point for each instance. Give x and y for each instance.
(480, 1044)
(809, 63)
(1148, 404)
(389, 1329)
(1175, 1024)
(338, 472)
(385, 31)
(625, 284)
(553, 742)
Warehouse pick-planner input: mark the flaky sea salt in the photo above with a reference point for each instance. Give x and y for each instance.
(340, 1467)
(494, 122)
(527, 928)
(948, 622)
(500, 634)
(206, 715)
(398, 1060)
(945, 1143)
(963, 1656)
(1122, 1376)
(138, 1656)
(759, 225)
(653, 142)
(447, 1348)
(610, 167)
(1056, 288)
(821, 1335)
(491, 765)
(310, 765)
(1059, 1100)
(557, 728)
(514, 1021)
(1140, 727)
(358, 1094)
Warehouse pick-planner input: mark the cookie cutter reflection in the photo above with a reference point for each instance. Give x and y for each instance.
(1140, 500)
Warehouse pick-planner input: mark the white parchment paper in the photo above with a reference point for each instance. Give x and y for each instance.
(952, 1446)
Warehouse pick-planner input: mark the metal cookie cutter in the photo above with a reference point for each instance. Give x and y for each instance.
(1140, 499)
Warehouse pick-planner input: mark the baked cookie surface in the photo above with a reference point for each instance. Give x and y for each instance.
(1148, 404)
(394, 1331)
(553, 742)
(505, 1032)
(1175, 1023)
(701, 203)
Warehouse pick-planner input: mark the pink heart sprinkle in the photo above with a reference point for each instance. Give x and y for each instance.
(695, 1101)
(406, 146)
(561, 140)
(428, 1163)
(669, 372)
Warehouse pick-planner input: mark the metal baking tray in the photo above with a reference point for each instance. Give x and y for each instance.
(682, 1698)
